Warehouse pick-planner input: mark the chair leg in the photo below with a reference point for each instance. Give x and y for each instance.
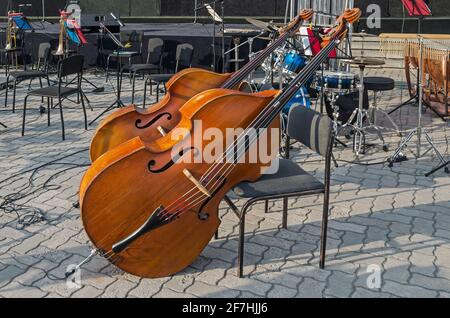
(107, 68)
(133, 79)
(24, 114)
(6, 91)
(285, 213)
(266, 206)
(40, 83)
(323, 234)
(48, 111)
(241, 243)
(145, 93)
(84, 113)
(14, 97)
(157, 92)
(216, 235)
(62, 119)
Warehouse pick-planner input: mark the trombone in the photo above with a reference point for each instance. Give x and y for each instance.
(62, 39)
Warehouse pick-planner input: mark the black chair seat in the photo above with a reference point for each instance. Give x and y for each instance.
(159, 78)
(52, 91)
(16, 49)
(379, 84)
(125, 54)
(20, 75)
(290, 178)
(141, 67)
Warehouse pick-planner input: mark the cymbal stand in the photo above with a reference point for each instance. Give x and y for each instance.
(419, 131)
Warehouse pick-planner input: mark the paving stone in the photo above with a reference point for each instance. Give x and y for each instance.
(310, 288)
(9, 273)
(16, 290)
(393, 217)
(410, 291)
(118, 289)
(203, 290)
(87, 292)
(149, 287)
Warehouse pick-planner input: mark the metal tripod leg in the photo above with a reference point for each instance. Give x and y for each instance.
(400, 148)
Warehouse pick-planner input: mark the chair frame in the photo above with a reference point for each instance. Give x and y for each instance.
(133, 75)
(285, 196)
(113, 55)
(16, 81)
(148, 80)
(60, 97)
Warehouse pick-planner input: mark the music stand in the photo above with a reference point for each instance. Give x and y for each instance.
(216, 18)
(120, 47)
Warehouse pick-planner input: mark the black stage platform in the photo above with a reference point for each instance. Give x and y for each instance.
(199, 35)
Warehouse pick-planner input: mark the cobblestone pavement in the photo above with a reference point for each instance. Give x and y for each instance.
(388, 221)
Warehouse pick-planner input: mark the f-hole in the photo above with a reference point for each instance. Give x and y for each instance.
(169, 164)
(152, 121)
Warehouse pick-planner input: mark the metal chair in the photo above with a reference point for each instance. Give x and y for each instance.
(183, 59)
(127, 37)
(40, 72)
(68, 66)
(155, 50)
(313, 130)
(19, 49)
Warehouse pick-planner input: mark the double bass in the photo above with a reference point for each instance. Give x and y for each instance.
(151, 213)
(158, 120)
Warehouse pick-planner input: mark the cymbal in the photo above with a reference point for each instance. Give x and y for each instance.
(368, 61)
(261, 24)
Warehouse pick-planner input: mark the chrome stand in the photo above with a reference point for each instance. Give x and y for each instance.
(361, 114)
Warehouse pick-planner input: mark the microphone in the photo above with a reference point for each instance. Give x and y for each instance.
(117, 19)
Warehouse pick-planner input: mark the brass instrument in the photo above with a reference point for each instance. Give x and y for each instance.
(10, 33)
(62, 33)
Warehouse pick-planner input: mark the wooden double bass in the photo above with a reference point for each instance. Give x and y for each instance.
(150, 124)
(152, 213)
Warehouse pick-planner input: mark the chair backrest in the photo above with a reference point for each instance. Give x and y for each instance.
(134, 38)
(44, 50)
(311, 128)
(155, 49)
(183, 56)
(70, 65)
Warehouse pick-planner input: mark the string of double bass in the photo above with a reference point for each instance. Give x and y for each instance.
(266, 116)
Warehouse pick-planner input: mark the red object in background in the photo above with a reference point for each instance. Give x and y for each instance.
(417, 7)
(315, 44)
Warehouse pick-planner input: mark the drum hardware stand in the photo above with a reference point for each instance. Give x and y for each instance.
(118, 100)
(359, 136)
(419, 130)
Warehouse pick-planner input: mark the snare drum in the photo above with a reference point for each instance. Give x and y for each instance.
(341, 82)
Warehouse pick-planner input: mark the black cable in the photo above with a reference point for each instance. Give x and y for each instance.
(27, 215)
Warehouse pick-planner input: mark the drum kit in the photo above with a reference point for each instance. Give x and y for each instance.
(352, 119)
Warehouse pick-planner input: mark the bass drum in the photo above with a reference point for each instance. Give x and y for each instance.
(346, 104)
